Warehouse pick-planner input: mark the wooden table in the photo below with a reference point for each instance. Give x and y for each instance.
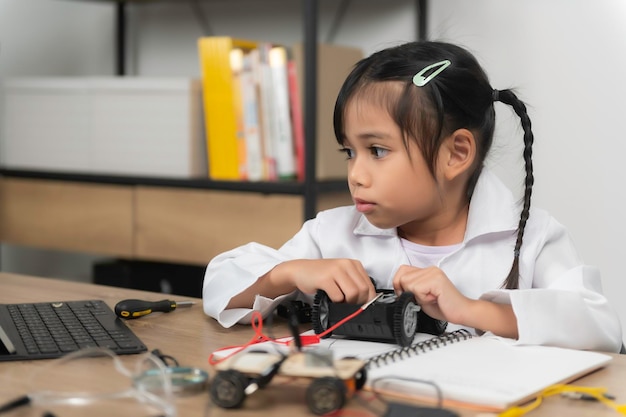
(190, 336)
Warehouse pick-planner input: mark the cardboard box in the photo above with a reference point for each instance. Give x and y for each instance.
(115, 125)
(335, 63)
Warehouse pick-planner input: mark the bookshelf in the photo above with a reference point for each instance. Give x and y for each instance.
(309, 189)
(146, 217)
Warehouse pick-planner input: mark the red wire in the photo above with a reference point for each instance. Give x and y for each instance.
(257, 325)
(340, 322)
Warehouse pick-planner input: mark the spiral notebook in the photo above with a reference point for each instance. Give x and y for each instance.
(486, 373)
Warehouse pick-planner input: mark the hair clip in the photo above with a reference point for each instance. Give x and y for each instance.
(419, 79)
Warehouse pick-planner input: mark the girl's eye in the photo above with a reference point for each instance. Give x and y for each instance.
(378, 152)
(349, 152)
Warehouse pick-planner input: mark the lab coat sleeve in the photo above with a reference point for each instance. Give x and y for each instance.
(231, 272)
(564, 306)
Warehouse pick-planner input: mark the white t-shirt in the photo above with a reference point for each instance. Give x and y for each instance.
(423, 256)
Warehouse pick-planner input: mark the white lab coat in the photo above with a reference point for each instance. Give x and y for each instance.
(559, 301)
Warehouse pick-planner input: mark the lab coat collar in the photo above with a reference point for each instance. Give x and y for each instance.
(492, 209)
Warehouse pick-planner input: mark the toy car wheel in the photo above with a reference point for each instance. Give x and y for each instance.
(360, 378)
(405, 319)
(320, 313)
(325, 395)
(228, 389)
(430, 325)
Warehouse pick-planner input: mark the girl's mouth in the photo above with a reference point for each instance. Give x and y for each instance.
(363, 206)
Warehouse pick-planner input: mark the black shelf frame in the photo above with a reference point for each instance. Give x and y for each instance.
(264, 187)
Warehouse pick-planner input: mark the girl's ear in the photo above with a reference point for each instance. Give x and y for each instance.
(458, 153)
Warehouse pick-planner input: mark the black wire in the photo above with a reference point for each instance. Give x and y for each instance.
(15, 403)
(337, 21)
(202, 20)
(166, 359)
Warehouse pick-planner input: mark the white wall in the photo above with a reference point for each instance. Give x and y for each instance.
(56, 37)
(566, 58)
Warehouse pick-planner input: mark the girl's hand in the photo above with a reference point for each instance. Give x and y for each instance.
(440, 299)
(433, 291)
(344, 280)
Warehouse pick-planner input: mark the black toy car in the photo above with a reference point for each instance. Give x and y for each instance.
(391, 318)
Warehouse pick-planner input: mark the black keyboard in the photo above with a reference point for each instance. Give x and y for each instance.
(50, 330)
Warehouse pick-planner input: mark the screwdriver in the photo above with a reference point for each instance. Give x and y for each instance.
(132, 309)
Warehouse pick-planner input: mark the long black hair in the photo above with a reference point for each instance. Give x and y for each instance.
(458, 97)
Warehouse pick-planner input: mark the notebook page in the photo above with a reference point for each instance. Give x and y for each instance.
(485, 372)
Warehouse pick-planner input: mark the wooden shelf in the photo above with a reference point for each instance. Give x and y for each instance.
(158, 220)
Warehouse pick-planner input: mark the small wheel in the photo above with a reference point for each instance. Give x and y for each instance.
(228, 389)
(360, 378)
(430, 325)
(321, 312)
(405, 319)
(325, 395)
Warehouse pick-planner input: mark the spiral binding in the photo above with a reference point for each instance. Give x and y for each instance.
(417, 348)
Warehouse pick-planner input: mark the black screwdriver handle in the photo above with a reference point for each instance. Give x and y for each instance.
(132, 309)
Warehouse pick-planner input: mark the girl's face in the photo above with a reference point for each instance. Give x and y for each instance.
(390, 188)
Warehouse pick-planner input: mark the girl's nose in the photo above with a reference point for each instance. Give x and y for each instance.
(357, 173)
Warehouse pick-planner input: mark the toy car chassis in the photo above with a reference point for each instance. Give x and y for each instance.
(391, 318)
(332, 381)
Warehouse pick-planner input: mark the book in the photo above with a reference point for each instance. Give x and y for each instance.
(252, 127)
(232, 133)
(282, 139)
(221, 101)
(236, 56)
(296, 118)
(486, 373)
(269, 128)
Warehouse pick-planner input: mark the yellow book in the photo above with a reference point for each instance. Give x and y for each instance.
(221, 99)
(236, 65)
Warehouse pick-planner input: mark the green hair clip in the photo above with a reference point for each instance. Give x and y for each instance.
(419, 79)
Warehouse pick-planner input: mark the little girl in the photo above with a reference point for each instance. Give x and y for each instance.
(416, 122)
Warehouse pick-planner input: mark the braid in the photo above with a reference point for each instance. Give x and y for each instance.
(508, 97)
